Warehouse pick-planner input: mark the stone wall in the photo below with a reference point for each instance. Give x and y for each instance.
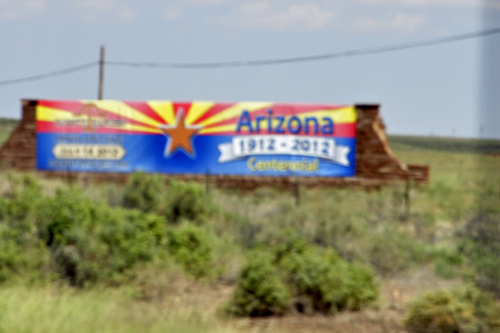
(376, 163)
(19, 151)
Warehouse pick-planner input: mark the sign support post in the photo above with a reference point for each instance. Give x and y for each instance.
(207, 182)
(297, 193)
(407, 198)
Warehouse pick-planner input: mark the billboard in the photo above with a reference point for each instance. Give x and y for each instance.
(245, 138)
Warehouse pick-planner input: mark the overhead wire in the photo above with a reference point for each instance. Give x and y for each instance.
(265, 62)
(51, 74)
(343, 54)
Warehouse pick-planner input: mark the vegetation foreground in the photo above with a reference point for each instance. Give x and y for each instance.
(168, 256)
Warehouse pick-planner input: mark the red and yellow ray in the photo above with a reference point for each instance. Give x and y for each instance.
(213, 118)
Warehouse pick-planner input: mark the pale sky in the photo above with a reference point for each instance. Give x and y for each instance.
(434, 90)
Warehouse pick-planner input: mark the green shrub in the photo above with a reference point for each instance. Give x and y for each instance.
(316, 280)
(9, 256)
(192, 246)
(464, 310)
(24, 198)
(21, 257)
(57, 216)
(93, 242)
(187, 201)
(71, 235)
(21, 251)
(321, 281)
(143, 191)
(260, 290)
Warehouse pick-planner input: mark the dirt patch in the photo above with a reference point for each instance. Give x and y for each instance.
(384, 317)
(365, 321)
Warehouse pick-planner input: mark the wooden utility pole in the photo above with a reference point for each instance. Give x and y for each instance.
(101, 74)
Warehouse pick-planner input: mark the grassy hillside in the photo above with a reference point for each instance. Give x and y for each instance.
(155, 256)
(417, 143)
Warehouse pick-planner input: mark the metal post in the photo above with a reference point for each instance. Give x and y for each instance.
(407, 198)
(68, 177)
(297, 193)
(101, 74)
(207, 181)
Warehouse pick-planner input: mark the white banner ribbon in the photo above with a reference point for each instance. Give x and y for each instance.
(311, 146)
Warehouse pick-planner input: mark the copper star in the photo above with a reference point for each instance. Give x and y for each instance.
(179, 135)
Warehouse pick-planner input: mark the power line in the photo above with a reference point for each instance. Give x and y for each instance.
(51, 74)
(208, 65)
(343, 54)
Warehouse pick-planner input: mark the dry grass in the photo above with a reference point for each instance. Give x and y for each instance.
(60, 309)
(176, 303)
(190, 306)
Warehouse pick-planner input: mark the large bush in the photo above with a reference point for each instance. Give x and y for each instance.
(92, 241)
(22, 200)
(143, 191)
(192, 246)
(321, 281)
(260, 290)
(463, 310)
(21, 258)
(186, 201)
(21, 251)
(316, 279)
(84, 241)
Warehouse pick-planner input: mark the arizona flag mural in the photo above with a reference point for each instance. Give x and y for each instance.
(246, 138)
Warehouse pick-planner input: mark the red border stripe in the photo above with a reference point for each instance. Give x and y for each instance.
(213, 111)
(145, 109)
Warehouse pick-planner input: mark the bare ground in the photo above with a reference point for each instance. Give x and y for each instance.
(384, 317)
